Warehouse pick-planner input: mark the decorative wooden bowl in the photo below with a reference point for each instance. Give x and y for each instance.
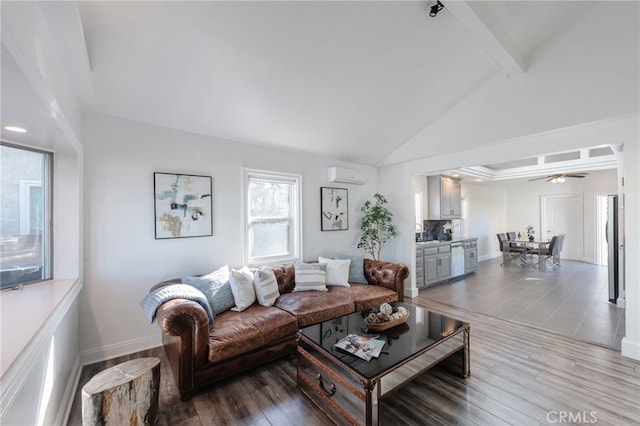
(382, 326)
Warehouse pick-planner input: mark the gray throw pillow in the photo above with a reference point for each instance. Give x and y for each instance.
(216, 288)
(356, 268)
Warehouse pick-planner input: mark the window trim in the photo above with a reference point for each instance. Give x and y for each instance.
(47, 184)
(25, 186)
(296, 217)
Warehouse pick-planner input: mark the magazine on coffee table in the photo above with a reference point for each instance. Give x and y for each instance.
(362, 346)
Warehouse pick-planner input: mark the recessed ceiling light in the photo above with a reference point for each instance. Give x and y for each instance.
(478, 180)
(15, 129)
(455, 175)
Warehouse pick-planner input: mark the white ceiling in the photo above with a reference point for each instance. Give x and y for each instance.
(347, 80)
(351, 81)
(21, 107)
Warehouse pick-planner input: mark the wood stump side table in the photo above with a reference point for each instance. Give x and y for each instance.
(125, 394)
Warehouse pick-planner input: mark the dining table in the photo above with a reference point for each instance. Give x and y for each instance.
(535, 244)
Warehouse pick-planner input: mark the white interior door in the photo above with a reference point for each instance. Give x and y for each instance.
(563, 214)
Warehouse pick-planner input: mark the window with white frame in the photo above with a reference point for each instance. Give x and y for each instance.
(25, 215)
(273, 212)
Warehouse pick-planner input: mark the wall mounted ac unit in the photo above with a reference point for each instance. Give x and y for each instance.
(344, 175)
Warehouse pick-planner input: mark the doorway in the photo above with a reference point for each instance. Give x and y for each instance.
(563, 214)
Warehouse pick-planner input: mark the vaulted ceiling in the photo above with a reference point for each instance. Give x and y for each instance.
(348, 80)
(352, 80)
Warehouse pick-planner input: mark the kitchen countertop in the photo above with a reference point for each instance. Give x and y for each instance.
(438, 243)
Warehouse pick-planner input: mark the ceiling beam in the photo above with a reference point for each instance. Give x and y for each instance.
(488, 32)
(604, 162)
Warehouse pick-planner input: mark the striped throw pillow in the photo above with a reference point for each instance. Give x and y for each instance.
(266, 285)
(310, 277)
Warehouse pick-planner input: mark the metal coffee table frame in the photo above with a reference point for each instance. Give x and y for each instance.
(347, 396)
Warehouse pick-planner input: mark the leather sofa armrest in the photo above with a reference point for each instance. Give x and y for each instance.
(387, 274)
(188, 321)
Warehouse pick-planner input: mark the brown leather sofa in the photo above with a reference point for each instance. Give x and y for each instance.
(243, 340)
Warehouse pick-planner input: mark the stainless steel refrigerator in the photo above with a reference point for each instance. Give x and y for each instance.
(612, 244)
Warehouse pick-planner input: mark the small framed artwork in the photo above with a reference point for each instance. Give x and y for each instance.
(183, 205)
(334, 205)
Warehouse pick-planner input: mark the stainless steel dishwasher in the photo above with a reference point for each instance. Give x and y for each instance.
(457, 259)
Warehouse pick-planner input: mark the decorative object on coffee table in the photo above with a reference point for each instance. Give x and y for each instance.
(123, 394)
(386, 309)
(375, 226)
(183, 205)
(334, 209)
(385, 319)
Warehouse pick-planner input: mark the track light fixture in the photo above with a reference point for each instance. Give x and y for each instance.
(436, 8)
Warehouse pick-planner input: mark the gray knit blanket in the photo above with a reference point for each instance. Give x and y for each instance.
(152, 300)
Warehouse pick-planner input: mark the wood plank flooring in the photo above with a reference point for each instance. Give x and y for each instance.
(519, 376)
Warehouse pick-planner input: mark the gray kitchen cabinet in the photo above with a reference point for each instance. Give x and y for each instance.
(437, 264)
(470, 256)
(419, 267)
(444, 197)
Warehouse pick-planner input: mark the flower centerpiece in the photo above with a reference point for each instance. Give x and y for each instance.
(530, 232)
(448, 229)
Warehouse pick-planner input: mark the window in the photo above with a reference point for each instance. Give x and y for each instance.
(25, 215)
(273, 217)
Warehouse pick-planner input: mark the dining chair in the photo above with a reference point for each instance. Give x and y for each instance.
(511, 236)
(556, 255)
(551, 253)
(511, 252)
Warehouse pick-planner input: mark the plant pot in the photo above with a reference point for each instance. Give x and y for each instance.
(531, 238)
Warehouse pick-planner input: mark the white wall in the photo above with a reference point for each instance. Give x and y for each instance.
(67, 215)
(486, 216)
(420, 187)
(123, 260)
(631, 341)
(524, 204)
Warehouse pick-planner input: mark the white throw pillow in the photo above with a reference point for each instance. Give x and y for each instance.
(242, 288)
(310, 277)
(337, 271)
(266, 285)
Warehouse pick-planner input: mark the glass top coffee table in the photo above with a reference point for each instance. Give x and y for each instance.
(349, 389)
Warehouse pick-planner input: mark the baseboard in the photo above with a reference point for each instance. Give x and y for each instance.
(489, 256)
(119, 349)
(630, 349)
(411, 292)
(69, 394)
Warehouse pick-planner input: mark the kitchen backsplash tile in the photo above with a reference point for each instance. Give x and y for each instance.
(436, 230)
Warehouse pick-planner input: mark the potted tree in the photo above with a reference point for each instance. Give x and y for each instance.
(375, 226)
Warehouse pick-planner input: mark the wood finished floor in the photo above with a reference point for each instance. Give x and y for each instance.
(519, 376)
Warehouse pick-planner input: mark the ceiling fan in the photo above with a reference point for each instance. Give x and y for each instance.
(559, 178)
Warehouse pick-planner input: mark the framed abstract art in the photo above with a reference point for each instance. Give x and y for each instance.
(334, 206)
(183, 205)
